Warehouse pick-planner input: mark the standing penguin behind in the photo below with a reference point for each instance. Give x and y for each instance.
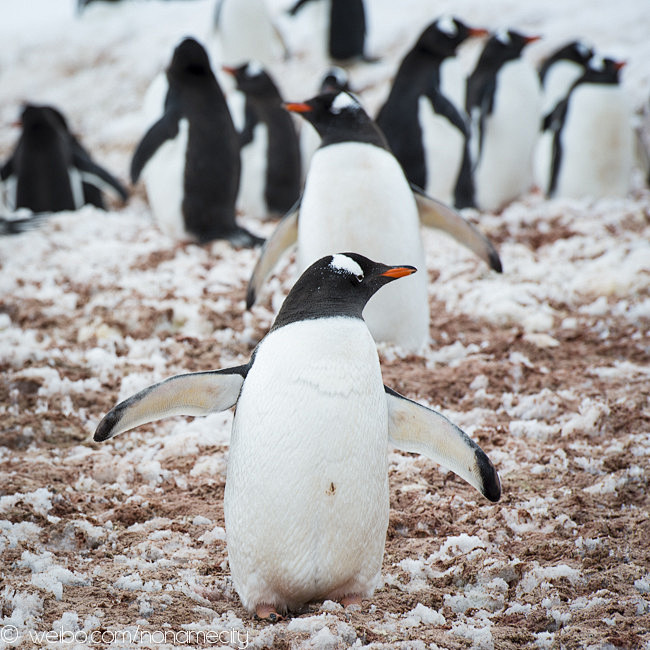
(346, 36)
(50, 170)
(428, 133)
(246, 31)
(592, 151)
(189, 159)
(306, 502)
(357, 197)
(504, 104)
(277, 159)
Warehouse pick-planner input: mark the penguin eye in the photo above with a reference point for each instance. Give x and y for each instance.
(358, 279)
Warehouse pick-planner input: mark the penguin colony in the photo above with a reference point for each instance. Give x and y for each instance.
(312, 392)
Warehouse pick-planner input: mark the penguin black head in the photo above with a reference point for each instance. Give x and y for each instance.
(190, 60)
(443, 36)
(335, 80)
(43, 121)
(339, 117)
(602, 70)
(576, 51)
(253, 80)
(337, 285)
(506, 45)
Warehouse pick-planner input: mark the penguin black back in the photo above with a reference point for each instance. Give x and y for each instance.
(575, 51)
(264, 104)
(347, 29)
(336, 285)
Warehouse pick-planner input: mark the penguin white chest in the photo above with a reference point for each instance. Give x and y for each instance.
(254, 161)
(164, 178)
(357, 199)
(306, 500)
(596, 144)
(504, 169)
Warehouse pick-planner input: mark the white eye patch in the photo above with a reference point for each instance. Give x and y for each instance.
(254, 68)
(447, 25)
(503, 36)
(343, 101)
(344, 264)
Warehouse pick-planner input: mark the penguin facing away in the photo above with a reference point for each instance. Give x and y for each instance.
(504, 105)
(268, 122)
(50, 170)
(357, 197)
(306, 501)
(593, 136)
(346, 31)
(426, 130)
(189, 159)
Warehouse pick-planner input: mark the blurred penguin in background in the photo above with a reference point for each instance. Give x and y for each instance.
(50, 170)
(426, 129)
(189, 158)
(271, 166)
(246, 32)
(346, 28)
(504, 103)
(592, 147)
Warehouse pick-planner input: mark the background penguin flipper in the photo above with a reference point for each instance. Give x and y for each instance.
(198, 393)
(283, 237)
(418, 429)
(95, 175)
(440, 216)
(166, 128)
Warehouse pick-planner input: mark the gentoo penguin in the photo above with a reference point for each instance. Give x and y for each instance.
(357, 197)
(560, 70)
(50, 170)
(593, 137)
(306, 501)
(426, 130)
(246, 32)
(346, 28)
(277, 160)
(504, 104)
(189, 159)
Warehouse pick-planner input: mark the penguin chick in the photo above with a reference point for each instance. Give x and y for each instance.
(189, 158)
(306, 501)
(268, 122)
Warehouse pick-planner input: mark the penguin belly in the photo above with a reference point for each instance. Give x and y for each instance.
(597, 144)
(543, 160)
(452, 81)
(306, 500)
(557, 83)
(254, 160)
(504, 169)
(164, 179)
(443, 152)
(356, 198)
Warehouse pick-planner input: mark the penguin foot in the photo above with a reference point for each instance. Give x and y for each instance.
(241, 238)
(350, 599)
(268, 613)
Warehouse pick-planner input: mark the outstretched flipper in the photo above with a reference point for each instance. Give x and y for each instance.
(416, 428)
(438, 215)
(283, 237)
(197, 393)
(166, 128)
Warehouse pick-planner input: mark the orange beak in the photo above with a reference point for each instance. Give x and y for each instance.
(478, 31)
(532, 39)
(298, 107)
(620, 64)
(399, 271)
(228, 69)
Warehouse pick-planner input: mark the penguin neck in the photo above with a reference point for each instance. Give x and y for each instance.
(418, 73)
(360, 131)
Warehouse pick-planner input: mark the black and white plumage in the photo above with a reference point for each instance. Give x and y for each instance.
(504, 105)
(590, 150)
(306, 501)
(50, 170)
(426, 130)
(346, 28)
(357, 197)
(189, 159)
(269, 141)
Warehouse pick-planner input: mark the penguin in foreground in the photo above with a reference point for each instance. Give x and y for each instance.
(426, 130)
(357, 197)
(504, 105)
(306, 501)
(346, 37)
(189, 159)
(50, 170)
(593, 143)
(277, 160)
